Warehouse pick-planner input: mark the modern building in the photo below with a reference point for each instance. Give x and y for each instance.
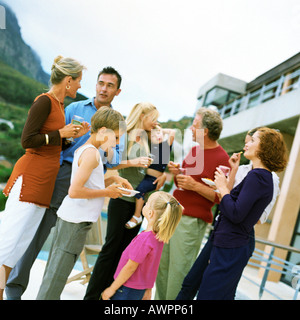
(272, 100)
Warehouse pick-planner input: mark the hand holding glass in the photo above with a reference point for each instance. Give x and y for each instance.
(76, 120)
(152, 157)
(183, 172)
(226, 170)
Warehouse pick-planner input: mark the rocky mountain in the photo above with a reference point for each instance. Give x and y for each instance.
(16, 53)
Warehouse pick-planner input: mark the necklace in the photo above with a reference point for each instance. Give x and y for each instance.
(60, 103)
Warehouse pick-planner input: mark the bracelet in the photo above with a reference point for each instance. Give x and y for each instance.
(47, 138)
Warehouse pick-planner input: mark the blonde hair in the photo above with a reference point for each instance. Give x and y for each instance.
(168, 214)
(108, 118)
(63, 67)
(135, 123)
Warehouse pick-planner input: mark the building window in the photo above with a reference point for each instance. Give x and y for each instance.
(199, 102)
(218, 96)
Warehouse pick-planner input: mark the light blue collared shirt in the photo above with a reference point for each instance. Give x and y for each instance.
(86, 109)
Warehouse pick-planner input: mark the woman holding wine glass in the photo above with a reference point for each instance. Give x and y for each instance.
(30, 186)
(240, 209)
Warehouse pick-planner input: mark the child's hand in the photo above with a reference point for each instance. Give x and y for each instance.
(124, 182)
(160, 181)
(114, 192)
(108, 293)
(147, 295)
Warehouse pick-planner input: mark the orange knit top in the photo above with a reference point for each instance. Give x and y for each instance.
(40, 163)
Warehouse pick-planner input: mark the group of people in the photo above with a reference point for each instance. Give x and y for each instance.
(60, 183)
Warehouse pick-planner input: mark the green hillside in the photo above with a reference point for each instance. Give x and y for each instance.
(17, 88)
(16, 95)
(182, 124)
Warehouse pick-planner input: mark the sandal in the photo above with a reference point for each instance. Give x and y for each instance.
(131, 225)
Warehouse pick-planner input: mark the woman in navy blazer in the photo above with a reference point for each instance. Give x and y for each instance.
(240, 209)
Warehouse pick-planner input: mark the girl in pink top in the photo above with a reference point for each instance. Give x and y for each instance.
(138, 266)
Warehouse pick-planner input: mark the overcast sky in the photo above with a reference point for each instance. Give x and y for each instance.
(164, 49)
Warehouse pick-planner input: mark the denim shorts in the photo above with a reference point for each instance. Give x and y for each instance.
(125, 293)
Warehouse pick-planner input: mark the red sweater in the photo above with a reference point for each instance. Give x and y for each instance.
(200, 165)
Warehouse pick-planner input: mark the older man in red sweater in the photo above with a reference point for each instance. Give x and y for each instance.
(197, 199)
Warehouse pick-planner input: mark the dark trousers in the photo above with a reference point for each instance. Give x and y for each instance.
(125, 293)
(19, 276)
(193, 279)
(117, 239)
(222, 275)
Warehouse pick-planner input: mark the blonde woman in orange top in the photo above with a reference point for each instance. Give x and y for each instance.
(30, 186)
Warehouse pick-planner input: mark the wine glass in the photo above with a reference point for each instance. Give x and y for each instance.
(75, 120)
(183, 172)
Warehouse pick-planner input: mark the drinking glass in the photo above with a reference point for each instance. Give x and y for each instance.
(152, 157)
(75, 120)
(226, 170)
(183, 172)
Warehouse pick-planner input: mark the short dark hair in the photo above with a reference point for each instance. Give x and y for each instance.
(111, 70)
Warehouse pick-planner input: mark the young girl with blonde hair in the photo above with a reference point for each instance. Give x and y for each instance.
(138, 266)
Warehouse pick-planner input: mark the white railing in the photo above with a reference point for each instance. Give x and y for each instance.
(273, 90)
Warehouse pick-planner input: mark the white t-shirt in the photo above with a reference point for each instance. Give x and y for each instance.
(241, 174)
(84, 210)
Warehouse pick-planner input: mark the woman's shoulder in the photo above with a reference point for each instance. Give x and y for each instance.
(261, 175)
(260, 172)
(42, 98)
(41, 105)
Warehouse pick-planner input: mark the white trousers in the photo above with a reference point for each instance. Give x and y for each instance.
(18, 225)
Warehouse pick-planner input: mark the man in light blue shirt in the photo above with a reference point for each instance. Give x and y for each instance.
(107, 87)
(86, 110)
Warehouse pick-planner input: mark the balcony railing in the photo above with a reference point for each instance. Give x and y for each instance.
(282, 85)
(270, 262)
